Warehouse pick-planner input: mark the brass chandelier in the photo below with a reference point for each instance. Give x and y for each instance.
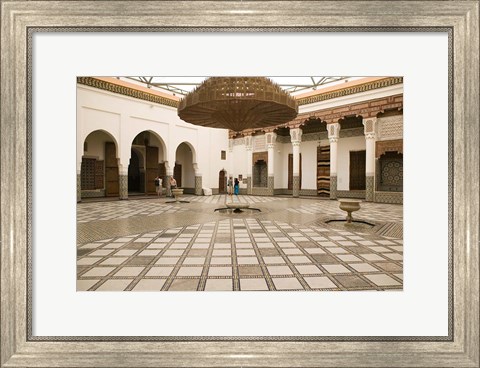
(237, 103)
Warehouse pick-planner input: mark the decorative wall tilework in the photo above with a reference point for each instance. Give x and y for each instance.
(296, 186)
(370, 187)
(308, 192)
(271, 181)
(333, 187)
(96, 193)
(351, 194)
(389, 197)
(261, 191)
(198, 185)
(123, 186)
(79, 188)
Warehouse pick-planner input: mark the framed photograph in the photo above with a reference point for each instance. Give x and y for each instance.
(432, 320)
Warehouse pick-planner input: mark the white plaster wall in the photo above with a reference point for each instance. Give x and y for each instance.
(124, 118)
(309, 164)
(345, 145)
(240, 162)
(287, 149)
(212, 143)
(279, 166)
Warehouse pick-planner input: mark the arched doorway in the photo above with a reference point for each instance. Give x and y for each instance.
(99, 176)
(390, 173)
(260, 174)
(146, 153)
(136, 172)
(183, 170)
(222, 181)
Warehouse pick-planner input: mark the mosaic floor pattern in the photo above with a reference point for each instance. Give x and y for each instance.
(191, 248)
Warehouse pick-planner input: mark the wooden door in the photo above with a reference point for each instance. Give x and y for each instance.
(323, 171)
(290, 171)
(221, 182)
(357, 170)
(111, 170)
(162, 173)
(177, 174)
(151, 169)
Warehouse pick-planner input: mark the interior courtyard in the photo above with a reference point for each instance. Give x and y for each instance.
(284, 231)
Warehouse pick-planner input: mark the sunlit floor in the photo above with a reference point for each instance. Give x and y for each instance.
(151, 245)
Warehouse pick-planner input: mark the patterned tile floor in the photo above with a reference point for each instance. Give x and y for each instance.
(147, 245)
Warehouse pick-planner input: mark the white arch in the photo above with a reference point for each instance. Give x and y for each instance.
(81, 141)
(192, 148)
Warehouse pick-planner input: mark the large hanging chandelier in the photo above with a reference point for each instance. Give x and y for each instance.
(237, 103)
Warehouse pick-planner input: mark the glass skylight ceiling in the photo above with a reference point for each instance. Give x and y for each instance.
(180, 86)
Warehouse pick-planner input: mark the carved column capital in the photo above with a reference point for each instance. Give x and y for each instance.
(333, 131)
(370, 128)
(271, 138)
(248, 142)
(296, 136)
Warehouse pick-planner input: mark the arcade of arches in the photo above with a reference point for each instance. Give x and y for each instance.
(353, 150)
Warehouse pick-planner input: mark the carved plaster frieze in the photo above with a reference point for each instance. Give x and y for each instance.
(387, 82)
(388, 146)
(126, 91)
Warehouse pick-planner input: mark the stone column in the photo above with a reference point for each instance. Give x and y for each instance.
(249, 149)
(230, 158)
(168, 175)
(296, 138)
(198, 180)
(333, 135)
(122, 181)
(271, 138)
(369, 125)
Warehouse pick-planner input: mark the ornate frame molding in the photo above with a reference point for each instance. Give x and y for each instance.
(20, 19)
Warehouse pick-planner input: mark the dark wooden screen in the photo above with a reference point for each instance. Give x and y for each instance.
(290, 171)
(177, 174)
(357, 170)
(111, 170)
(87, 175)
(99, 176)
(323, 171)
(162, 172)
(221, 182)
(151, 170)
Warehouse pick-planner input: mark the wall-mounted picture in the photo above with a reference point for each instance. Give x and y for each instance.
(235, 184)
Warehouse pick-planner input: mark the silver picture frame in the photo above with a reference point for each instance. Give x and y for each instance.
(21, 19)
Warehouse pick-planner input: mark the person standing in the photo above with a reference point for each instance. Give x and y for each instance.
(236, 186)
(173, 185)
(230, 186)
(158, 186)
